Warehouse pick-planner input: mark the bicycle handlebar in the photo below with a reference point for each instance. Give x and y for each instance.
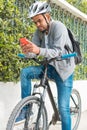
(59, 58)
(21, 55)
(69, 55)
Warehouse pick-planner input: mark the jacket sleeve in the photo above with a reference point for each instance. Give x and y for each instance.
(36, 38)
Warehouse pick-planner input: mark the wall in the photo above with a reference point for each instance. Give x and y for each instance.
(10, 95)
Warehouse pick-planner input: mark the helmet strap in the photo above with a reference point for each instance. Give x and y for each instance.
(46, 20)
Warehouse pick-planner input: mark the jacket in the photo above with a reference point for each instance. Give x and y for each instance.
(57, 39)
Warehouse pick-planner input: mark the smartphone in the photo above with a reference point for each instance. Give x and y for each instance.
(23, 41)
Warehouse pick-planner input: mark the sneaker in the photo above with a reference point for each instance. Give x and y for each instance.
(21, 117)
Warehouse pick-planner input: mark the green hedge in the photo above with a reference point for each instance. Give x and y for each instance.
(9, 64)
(12, 27)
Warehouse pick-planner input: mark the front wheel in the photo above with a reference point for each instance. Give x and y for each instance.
(75, 109)
(32, 106)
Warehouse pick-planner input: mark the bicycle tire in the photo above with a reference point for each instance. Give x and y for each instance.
(76, 112)
(18, 108)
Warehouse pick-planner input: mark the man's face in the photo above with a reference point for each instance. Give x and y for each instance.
(40, 22)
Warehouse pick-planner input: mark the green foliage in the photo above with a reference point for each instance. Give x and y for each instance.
(13, 25)
(9, 63)
(80, 4)
(83, 6)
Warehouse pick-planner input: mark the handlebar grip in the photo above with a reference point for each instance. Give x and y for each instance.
(21, 55)
(68, 55)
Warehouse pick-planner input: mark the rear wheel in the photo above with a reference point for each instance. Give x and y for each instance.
(32, 104)
(75, 108)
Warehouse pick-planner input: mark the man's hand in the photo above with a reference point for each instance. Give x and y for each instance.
(30, 47)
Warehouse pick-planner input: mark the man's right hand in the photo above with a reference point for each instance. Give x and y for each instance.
(28, 46)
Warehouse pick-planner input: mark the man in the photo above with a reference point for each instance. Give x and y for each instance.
(49, 40)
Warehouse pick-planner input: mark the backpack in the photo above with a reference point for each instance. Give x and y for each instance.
(76, 48)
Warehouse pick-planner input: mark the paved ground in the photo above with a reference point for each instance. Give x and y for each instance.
(82, 125)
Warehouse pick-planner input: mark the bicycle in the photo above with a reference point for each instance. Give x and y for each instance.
(36, 114)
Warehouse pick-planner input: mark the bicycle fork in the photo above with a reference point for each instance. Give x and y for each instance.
(42, 99)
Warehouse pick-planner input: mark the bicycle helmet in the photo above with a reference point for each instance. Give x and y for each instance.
(38, 8)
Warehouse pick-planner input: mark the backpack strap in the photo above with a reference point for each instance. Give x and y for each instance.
(68, 48)
(72, 41)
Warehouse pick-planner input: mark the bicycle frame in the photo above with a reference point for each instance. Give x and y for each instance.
(44, 82)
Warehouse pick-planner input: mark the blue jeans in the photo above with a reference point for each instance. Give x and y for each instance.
(64, 89)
